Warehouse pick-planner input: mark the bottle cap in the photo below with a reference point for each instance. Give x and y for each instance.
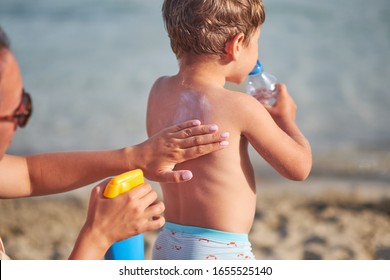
(257, 69)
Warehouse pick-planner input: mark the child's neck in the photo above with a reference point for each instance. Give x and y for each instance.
(202, 73)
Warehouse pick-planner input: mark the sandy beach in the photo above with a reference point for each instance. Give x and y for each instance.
(316, 219)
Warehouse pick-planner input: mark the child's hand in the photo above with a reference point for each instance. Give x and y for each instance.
(285, 108)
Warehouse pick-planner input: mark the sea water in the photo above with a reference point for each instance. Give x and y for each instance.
(89, 66)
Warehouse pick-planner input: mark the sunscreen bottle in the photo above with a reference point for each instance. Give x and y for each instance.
(133, 247)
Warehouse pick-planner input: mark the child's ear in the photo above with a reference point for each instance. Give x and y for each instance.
(235, 45)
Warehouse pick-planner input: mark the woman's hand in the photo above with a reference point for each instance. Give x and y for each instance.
(158, 155)
(110, 220)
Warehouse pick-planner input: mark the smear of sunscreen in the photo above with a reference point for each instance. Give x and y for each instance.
(193, 106)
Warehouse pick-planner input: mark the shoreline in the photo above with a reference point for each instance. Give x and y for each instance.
(321, 218)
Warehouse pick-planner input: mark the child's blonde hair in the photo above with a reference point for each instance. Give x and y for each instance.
(203, 27)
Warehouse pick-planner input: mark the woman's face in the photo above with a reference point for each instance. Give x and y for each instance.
(10, 96)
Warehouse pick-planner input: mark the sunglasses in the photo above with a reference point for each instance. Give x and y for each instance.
(22, 113)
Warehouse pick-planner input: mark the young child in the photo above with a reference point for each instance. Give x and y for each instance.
(216, 41)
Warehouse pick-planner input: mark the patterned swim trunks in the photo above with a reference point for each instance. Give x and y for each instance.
(179, 242)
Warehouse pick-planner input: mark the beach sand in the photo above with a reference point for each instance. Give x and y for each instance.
(316, 219)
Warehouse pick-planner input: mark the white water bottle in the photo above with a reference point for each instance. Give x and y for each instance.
(262, 85)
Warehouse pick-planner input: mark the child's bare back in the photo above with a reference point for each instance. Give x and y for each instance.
(222, 193)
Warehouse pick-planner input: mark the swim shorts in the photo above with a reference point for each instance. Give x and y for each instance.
(179, 242)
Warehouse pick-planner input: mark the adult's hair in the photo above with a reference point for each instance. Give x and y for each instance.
(4, 45)
(204, 27)
(4, 42)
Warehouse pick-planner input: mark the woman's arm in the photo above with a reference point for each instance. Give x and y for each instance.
(51, 173)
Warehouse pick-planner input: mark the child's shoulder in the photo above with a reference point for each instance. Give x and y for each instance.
(159, 84)
(161, 80)
(239, 97)
(243, 104)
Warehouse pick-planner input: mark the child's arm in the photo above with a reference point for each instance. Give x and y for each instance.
(277, 138)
